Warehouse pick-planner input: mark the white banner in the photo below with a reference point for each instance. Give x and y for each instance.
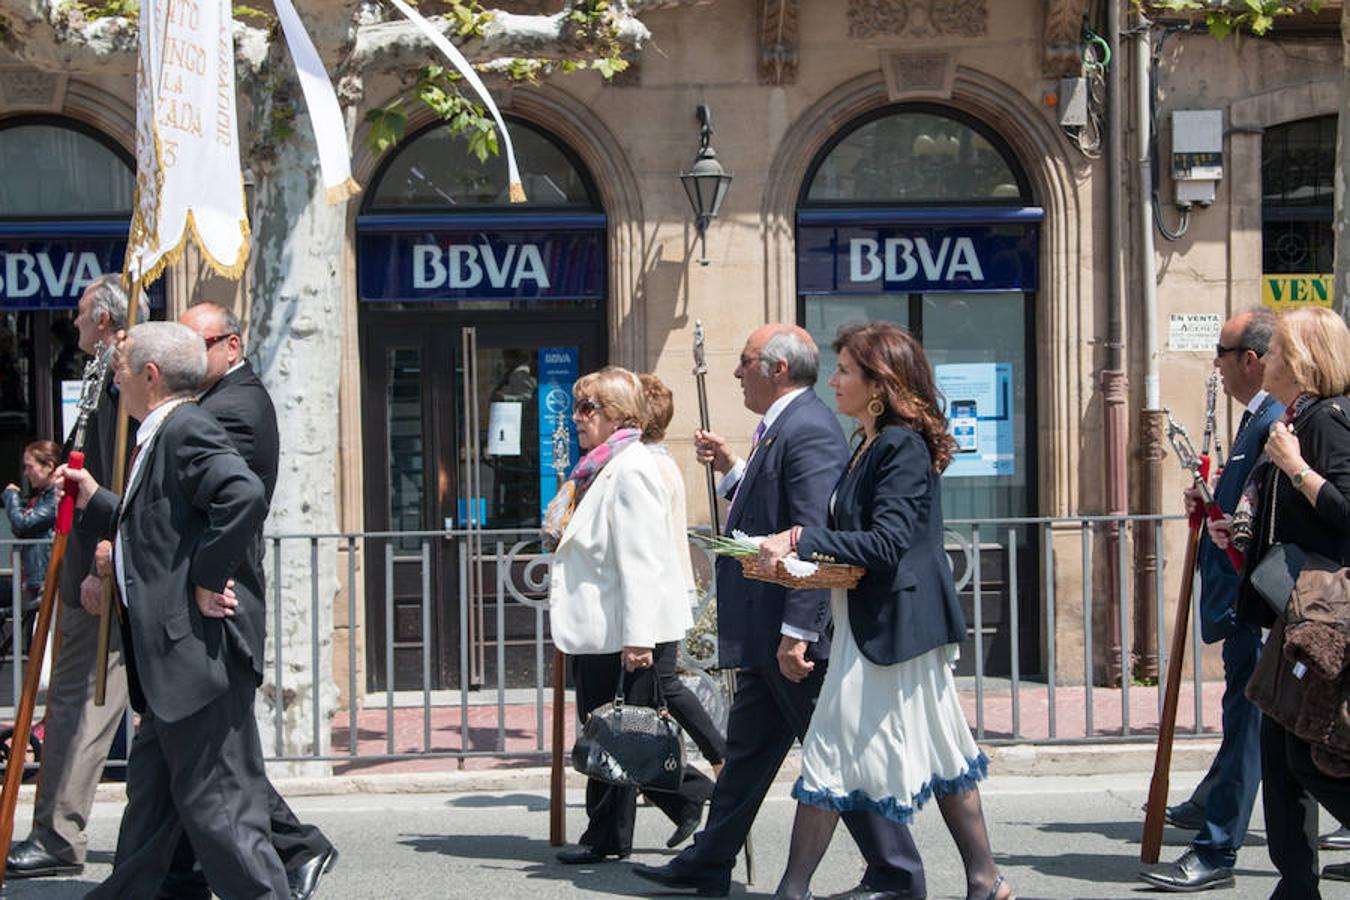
(188, 181)
(517, 188)
(330, 135)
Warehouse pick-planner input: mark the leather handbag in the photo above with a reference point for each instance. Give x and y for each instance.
(632, 746)
(1276, 574)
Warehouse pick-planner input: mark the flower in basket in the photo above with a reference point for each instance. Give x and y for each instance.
(745, 547)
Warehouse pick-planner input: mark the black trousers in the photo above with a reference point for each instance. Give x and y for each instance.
(767, 715)
(295, 842)
(612, 810)
(202, 776)
(1292, 788)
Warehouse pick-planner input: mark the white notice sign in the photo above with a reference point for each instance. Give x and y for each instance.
(70, 406)
(1193, 332)
(504, 429)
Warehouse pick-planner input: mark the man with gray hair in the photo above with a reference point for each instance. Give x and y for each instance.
(777, 638)
(190, 512)
(79, 734)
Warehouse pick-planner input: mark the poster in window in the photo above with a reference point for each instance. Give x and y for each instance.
(979, 418)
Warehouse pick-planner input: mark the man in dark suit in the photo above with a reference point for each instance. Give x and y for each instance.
(1221, 805)
(235, 396)
(79, 734)
(192, 621)
(777, 638)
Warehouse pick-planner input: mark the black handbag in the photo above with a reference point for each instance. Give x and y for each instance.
(632, 746)
(1276, 574)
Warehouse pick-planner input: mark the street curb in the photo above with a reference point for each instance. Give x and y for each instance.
(1013, 759)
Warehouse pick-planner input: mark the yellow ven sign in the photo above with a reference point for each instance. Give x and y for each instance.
(1281, 292)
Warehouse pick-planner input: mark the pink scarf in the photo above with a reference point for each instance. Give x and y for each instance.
(565, 502)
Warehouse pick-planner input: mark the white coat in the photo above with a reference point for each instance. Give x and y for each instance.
(616, 581)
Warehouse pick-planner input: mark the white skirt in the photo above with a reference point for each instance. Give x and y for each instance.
(886, 738)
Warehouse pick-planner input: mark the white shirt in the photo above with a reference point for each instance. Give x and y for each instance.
(1254, 405)
(145, 435)
(726, 486)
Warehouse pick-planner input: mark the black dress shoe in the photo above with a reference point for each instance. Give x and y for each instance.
(1188, 814)
(27, 860)
(669, 876)
(1335, 840)
(1337, 872)
(1187, 874)
(863, 892)
(585, 856)
(688, 825)
(304, 880)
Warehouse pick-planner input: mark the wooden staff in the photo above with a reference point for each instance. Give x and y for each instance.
(557, 785)
(119, 470)
(23, 717)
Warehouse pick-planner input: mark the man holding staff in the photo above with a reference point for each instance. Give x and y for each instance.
(79, 734)
(1222, 804)
(182, 530)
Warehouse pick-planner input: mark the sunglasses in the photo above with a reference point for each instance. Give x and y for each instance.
(588, 407)
(216, 339)
(1220, 349)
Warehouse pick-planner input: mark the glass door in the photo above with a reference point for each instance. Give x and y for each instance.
(467, 429)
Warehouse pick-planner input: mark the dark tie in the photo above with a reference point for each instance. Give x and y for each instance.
(1242, 424)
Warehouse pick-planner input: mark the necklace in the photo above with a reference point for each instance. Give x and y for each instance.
(861, 452)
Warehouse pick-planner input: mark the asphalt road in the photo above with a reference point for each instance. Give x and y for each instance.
(1053, 837)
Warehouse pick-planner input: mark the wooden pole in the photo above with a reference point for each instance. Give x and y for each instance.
(119, 474)
(23, 716)
(1151, 844)
(557, 783)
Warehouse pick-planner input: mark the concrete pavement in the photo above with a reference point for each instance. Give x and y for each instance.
(1054, 836)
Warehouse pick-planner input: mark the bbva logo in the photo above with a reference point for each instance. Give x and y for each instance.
(901, 258)
(24, 275)
(465, 266)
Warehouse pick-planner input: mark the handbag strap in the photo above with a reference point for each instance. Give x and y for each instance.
(656, 681)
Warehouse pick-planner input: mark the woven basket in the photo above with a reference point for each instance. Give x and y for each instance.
(827, 575)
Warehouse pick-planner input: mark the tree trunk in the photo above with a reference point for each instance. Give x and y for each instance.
(295, 344)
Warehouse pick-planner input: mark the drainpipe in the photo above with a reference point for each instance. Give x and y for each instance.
(1152, 452)
(1114, 380)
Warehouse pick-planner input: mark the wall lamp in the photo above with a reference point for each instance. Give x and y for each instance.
(706, 182)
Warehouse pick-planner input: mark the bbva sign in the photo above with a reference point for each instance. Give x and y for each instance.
(49, 275)
(900, 259)
(465, 266)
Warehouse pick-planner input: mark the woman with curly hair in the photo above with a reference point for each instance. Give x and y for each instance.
(888, 732)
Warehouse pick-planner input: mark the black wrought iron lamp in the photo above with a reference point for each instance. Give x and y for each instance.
(706, 182)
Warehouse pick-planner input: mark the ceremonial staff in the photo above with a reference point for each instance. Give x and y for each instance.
(95, 378)
(728, 675)
(1198, 467)
(119, 470)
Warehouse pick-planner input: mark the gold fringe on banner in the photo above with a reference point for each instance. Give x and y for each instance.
(517, 192)
(340, 193)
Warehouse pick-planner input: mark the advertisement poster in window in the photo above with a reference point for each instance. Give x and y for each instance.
(558, 447)
(979, 417)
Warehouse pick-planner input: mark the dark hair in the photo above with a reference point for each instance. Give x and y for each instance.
(47, 453)
(660, 408)
(892, 358)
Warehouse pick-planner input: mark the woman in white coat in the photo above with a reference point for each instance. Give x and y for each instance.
(617, 597)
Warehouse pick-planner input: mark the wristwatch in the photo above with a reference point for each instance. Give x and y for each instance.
(1298, 478)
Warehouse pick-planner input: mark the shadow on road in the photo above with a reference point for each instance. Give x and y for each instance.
(1132, 832)
(531, 802)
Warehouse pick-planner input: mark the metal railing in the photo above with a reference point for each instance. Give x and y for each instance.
(446, 652)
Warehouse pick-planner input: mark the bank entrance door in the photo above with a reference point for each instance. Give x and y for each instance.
(462, 438)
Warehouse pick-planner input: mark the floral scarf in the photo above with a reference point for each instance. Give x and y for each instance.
(565, 502)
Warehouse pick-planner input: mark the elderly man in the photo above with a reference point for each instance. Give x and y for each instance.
(778, 638)
(234, 395)
(79, 734)
(1222, 804)
(182, 531)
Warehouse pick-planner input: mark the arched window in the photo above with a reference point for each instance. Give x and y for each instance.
(416, 178)
(1298, 177)
(920, 155)
(55, 168)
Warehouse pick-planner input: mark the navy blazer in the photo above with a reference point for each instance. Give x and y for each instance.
(887, 518)
(1218, 579)
(787, 482)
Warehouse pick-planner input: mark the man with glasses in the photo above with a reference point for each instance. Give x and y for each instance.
(233, 394)
(1221, 805)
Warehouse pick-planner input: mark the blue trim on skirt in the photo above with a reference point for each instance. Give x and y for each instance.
(976, 771)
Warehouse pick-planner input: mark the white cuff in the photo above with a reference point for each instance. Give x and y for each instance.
(726, 485)
(799, 634)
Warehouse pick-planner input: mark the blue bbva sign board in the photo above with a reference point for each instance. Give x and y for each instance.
(400, 261)
(558, 447)
(903, 258)
(47, 265)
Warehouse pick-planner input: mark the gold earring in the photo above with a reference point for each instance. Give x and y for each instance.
(875, 407)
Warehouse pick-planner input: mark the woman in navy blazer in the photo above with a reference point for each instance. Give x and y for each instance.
(888, 732)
